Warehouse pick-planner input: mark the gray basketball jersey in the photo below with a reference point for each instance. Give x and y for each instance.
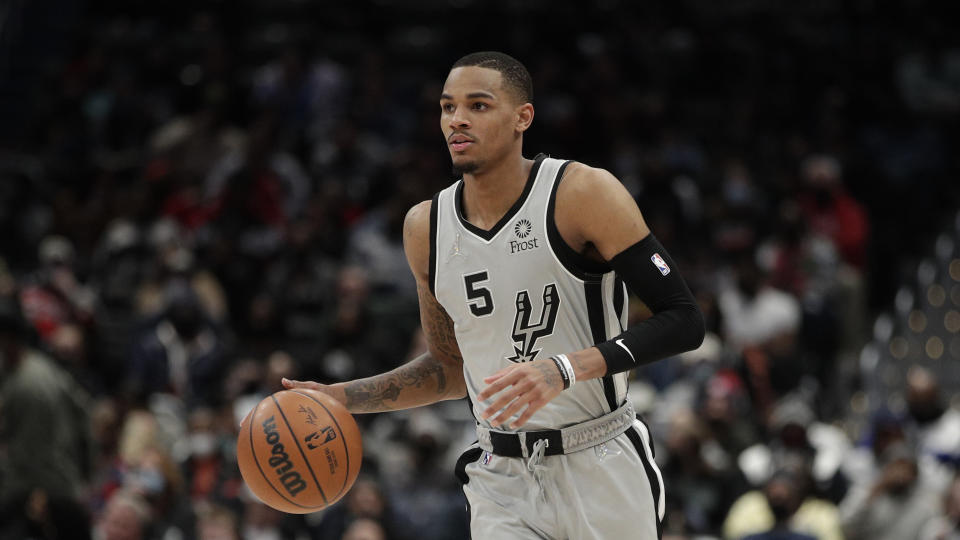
(518, 292)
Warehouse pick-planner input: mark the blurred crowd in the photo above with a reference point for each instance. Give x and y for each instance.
(203, 201)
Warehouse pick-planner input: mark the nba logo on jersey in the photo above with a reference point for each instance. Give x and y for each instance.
(487, 456)
(660, 264)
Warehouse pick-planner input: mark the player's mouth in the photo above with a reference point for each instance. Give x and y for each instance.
(459, 142)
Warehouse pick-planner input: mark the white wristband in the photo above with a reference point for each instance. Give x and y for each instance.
(568, 368)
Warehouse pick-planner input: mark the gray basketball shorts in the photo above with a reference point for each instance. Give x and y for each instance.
(610, 491)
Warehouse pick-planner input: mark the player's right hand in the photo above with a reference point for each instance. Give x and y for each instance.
(526, 386)
(331, 390)
(309, 385)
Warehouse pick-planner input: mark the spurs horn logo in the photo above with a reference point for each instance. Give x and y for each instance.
(525, 334)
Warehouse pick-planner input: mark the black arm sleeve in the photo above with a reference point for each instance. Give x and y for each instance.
(676, 325)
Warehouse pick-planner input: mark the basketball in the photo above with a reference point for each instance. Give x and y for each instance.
(299, 451)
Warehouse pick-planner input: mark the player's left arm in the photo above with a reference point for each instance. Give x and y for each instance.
(598, 217)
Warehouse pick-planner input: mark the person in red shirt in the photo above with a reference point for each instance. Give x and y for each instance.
(830, 211)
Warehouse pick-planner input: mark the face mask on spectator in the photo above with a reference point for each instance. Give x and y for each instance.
(203, 444)
(925, 412)
(781, 511)
(737, 193)
(150, 481)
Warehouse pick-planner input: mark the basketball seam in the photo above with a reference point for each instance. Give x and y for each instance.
(256, 460)
(346, 451)
(302, 453)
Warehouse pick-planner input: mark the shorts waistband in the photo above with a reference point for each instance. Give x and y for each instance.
(559, 441)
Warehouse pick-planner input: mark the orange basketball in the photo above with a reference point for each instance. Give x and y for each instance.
(299, 451)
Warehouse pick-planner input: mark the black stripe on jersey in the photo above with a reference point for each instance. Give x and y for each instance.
(575, 263)
(469, 519)
(434, 208)
(618, 301)
(469, 456)
(637, 441)
(593, 293)
(488, 235)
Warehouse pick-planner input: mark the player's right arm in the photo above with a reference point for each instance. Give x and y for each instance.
(433, 376)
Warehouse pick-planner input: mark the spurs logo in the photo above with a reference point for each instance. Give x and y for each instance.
(525, 333)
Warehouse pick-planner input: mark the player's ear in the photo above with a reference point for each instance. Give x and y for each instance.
(524, 117)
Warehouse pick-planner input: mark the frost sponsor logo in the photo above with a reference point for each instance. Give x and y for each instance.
(523, 245)
(522, 230)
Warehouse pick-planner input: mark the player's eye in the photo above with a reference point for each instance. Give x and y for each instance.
(480, 106)
(447, 107)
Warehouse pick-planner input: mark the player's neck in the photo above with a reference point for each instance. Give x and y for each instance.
(489, 194)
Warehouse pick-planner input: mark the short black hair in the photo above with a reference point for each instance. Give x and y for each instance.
(515, 74)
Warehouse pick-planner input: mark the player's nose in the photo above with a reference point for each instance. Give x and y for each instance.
(458, 120)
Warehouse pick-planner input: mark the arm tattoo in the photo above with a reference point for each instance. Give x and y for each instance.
(386, 391)
(550, 374)
(575, 358)
(380, 392)
(437, 326)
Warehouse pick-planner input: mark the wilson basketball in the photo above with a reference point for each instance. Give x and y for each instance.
(299, 450)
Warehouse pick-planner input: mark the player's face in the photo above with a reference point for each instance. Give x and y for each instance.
(479, 117)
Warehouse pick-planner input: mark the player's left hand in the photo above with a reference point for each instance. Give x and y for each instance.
(531, 385)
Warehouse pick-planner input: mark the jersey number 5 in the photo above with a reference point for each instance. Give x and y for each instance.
(478, 298)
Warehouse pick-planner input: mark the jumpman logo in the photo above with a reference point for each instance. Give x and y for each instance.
(455, 250)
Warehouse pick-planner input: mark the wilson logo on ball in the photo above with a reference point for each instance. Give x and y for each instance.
(280, 460)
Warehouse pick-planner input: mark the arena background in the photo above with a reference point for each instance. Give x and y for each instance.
(198, 198)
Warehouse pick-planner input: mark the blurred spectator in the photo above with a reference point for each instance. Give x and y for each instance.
(300, 283)
(830, 211)
(364, 336)
(862, 465)
(126, 517)
(180, 354)
(203, 466)
(761, 323)
(217, 523)
(702, 483)
(426, 495)
(257, 192)
(936, 425)
(54, 295)
(69, 348)
(725, 409)
(118, 269)
(808, 266)
(364, 501)
(364, 529)
(183, 151)
(175, 265)
(929, 80)
(46, 450)
(8, 284)
(754, 313)
(377, 246)
(154, 476)
(260, 522)
(896, 506)
(793, 431)
(946, 524)
(785, 502)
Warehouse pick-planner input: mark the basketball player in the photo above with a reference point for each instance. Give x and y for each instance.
(520, 268)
